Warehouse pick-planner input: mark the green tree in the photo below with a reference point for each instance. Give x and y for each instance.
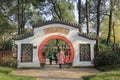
(7, 27)
(20, 11)
(87, 15)
(58, 9)
(26, 11)
(15, 13)
(114, 34)
(98, 25)
(79, 14)
(110, 22)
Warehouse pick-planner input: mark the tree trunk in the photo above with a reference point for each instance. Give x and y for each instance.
(54, 8)
(110, 22)
(79, 13)
(114, 37)
(87, 15)
(22, 16)
(21, 22)
(18, 9)
(98, 25)
(57, 44)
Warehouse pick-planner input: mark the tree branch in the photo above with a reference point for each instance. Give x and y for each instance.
(54, 7)
(106, 14)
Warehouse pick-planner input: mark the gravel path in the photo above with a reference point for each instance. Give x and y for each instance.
(54, 73)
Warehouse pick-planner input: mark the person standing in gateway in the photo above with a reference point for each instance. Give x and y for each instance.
(60, 57)
(51, 57)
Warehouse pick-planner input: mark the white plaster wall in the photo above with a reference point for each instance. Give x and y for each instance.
(39, 36)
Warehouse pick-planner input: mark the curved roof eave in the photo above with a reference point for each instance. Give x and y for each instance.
(72, 24)
(39, 24)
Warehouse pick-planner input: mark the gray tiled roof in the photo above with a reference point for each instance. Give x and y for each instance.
(88, 36)
(72, 24)
(23, 36)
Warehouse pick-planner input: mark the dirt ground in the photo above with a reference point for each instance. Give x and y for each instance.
(52, 72)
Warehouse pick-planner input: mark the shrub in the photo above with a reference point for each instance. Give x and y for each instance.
(107, 58)
(118, 52)
(103, 47)
(7, 45)
(10, 63)
(5, 70)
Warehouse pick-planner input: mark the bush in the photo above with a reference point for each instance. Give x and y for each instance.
(5, 70)
(103, 47)
(109, 67)
(7, 45)
(118, 52)
(107, 58)
(10, 63)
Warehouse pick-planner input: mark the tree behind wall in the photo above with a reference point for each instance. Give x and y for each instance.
(20, 12)
(98, 25)
(58, 9)
(80, 15)
(26, 11)
(110, 22)
(87, 15)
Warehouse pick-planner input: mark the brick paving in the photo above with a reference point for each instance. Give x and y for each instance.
(52, 72)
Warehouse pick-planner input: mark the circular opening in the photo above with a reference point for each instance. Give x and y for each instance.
(41, 47)
(51, 49)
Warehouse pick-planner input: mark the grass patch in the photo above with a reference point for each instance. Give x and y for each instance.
(112, 73)
(109, 68)
(5, 70)
(4, 75)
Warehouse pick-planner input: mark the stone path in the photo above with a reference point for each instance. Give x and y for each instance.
(54, 73)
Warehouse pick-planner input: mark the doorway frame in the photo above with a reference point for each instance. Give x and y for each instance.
(42, 60)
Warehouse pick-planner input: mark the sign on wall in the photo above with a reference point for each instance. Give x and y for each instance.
(56, 29)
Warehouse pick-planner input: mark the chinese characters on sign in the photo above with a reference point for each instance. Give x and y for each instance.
(56, 29)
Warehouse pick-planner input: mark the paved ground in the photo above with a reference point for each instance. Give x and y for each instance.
(54, 73)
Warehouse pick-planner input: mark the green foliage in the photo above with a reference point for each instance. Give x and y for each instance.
(58, 9)
(110, 75)
(6, 46)
(10, 77)
(6, 25)
(118, 53)
(109, 67)
(54, 43)
(10, 63)
(103, 47)
(115, 23)
(107, 58)
(5, 70)
(27, 30)
(4, 75)
(20, 14)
